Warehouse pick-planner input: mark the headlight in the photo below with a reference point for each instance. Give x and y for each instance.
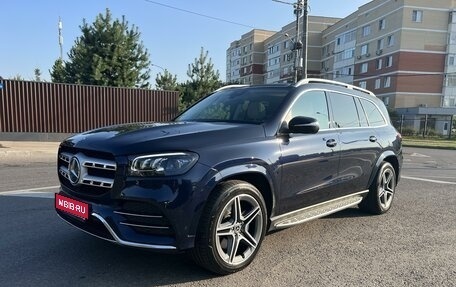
(163, 164)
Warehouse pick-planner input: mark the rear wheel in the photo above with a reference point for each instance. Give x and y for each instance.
(381, 191)
(231, 229)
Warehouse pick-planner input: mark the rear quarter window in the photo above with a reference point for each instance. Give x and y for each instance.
(374, 116)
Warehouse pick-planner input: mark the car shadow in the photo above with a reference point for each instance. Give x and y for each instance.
(106, 264)
(349, 213)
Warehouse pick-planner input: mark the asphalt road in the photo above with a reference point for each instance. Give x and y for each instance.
(412, 245)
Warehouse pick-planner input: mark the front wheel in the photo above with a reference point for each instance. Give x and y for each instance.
(381, 191)
(231, 229)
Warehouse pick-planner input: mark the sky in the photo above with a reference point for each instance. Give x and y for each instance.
(29, 29)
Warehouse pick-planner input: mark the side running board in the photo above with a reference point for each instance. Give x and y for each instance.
(316, 211)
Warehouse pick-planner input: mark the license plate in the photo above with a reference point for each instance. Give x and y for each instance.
(71, 206)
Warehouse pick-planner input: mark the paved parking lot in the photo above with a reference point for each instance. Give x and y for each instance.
(412, 245)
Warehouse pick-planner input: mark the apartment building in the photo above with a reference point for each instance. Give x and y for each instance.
(396, 48)
(245, 58)
(402, 50)
(262, 56)
(280, 56)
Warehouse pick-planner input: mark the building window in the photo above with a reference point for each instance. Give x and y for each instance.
(251, 47)
(417, 16)
(338, 41)
(347, 37)
(386, 101)
(381, 24)
(387, 82)
(363, 84)
(378, 64)
(390, 40)
(389, 61)
(377, 83)
(364, 67)
(244, 49)
(250, 58)
(364, 49)
(380, 43)
(366, 30)
(451, 61)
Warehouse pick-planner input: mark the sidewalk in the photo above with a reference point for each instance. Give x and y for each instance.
(26, 152)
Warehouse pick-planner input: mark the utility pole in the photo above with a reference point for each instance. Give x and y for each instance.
(297, 44)
(305, 32)
(60, 39)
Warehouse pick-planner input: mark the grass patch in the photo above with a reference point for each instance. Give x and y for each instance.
(429, 143)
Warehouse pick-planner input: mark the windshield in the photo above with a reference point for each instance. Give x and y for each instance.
(249, 105)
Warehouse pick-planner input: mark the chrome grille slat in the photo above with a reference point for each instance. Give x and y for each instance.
(65, 156)
(97, 181)
(64, 172)
(99, 164)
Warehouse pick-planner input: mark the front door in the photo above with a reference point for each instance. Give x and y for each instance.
(309, 162)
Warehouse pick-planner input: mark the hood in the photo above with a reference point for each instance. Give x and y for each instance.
(139, 138)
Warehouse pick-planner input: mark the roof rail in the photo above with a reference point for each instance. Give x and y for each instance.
(324, 81)
(230, 87)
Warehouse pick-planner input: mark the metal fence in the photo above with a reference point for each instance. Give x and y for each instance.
(426, 126)
(39, 107)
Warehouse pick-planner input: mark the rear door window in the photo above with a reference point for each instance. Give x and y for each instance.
(344, 110)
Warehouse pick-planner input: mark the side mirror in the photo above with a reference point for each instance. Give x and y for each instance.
(303, 125)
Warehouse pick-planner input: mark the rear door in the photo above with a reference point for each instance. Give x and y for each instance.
(359, 148)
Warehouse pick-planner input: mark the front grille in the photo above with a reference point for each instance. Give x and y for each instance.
(145, 218)
(78, 169)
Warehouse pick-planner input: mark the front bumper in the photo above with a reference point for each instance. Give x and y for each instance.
(96, 230)
(158, 214)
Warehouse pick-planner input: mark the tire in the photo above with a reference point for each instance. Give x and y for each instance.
(381, 191)
(231, 228)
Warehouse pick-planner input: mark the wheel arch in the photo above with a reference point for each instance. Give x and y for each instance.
(388, 156)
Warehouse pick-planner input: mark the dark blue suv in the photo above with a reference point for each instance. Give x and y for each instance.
(243, 161)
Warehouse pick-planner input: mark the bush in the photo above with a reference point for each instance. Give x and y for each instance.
(408, 132)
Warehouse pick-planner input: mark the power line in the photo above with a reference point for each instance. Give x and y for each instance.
(199, 14)
(388, 75)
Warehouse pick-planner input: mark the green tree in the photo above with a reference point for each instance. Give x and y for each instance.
(18, 77)
(166, 81)
(58, 73)
(37, 73)
(108, 53)
(203, 79)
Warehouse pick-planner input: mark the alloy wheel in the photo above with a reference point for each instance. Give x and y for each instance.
(239, 229)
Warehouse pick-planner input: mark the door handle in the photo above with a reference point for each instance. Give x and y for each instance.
(331, 143)
(373, 139)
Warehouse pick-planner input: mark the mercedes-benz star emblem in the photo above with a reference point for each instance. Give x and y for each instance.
(74, 170)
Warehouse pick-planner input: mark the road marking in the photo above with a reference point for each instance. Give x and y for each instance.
(28, 190)
(415, 154)
(39, 194)
(428, 180)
